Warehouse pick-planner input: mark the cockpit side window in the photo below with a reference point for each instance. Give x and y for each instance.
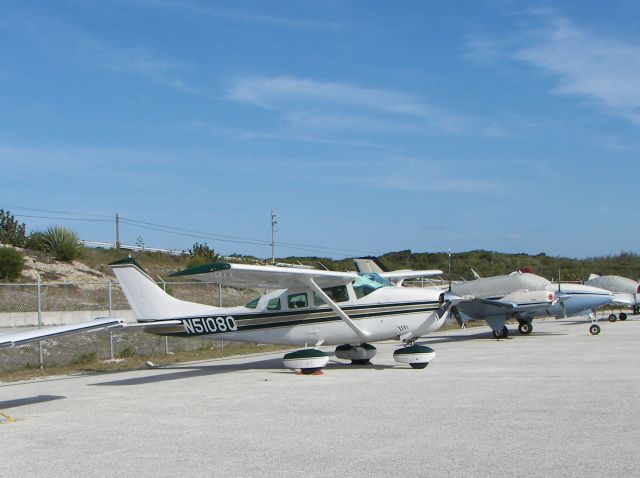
(296, 301)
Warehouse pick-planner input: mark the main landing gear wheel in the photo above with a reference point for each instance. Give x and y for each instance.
(594, 329)
(308, 361)
(623, 316)
(525, 328)
(501, 334)
(613, 318)
(417, 356)
(358, 354)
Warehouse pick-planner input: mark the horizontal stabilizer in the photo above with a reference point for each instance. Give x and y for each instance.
(21, 338)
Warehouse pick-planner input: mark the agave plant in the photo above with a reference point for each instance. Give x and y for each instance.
(63, 243)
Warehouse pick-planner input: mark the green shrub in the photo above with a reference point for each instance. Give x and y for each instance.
(201, 254)
(11, 231)
(63, 243)
(84, 358)
(11, 263)
(126, 352)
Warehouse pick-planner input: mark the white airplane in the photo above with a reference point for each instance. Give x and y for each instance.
(626, 292)
(308, 308)
(373, 264)
(524, 296)
(520, 295)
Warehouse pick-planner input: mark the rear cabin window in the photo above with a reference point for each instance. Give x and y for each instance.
(336, 294)
(297, 301)
(274, 304)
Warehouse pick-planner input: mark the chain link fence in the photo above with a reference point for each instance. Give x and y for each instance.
(48, 304)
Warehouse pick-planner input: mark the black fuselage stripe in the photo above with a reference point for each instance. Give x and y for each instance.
(315, 320)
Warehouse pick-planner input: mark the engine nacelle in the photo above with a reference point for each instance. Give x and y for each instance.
(530, 296)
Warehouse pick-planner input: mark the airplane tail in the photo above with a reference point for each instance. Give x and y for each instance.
(146, 299)
(369, 264)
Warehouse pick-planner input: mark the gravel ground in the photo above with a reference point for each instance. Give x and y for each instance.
(556, 403)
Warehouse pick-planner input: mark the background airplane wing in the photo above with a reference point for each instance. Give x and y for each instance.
(20, 338)
(623, 299)
(402, 275)
(265, 277)
(483, 308)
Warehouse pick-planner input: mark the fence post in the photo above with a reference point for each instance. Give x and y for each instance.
(166, 345)
(39, 300)
(111, 355)
(109, 288)
(220, 295)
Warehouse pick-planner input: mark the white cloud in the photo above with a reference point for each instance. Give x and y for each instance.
(276, 91)
(603, 69)
(313, 105)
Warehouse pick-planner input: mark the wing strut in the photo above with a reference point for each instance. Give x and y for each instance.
(336, 308)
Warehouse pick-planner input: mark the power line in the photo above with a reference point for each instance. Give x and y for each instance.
(87, 217)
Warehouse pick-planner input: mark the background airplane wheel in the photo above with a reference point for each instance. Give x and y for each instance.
(623, 316)
(613, 318)
(525, 328)
(594, 329)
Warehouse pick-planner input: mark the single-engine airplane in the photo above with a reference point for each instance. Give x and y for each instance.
(373, 264)
(308, 308)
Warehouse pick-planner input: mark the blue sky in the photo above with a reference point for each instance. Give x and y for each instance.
(368, 126)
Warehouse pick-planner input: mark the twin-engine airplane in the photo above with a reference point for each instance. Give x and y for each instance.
(520, 295)
(524, 296)
(626, 292)
(308, 308)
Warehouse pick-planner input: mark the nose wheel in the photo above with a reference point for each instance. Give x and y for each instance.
(594, 329)
(525, 328)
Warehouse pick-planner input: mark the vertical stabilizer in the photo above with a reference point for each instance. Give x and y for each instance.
(147, 300)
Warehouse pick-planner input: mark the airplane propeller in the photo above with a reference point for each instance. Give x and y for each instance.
(561, 297)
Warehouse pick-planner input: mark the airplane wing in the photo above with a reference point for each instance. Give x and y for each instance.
(623, 299)
(396, 276)
(20, 338)
(265, 277)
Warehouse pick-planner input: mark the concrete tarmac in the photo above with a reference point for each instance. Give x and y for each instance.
(556, 403)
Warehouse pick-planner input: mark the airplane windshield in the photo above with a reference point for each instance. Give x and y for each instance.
(367, 282)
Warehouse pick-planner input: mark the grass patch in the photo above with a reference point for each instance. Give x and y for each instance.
(84, 364)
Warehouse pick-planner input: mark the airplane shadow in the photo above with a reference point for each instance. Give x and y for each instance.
(272, 365)
(198, 370)
(483, 336)
(19, 402)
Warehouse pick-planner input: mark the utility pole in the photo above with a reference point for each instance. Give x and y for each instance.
(273, 236)
(117, 231)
